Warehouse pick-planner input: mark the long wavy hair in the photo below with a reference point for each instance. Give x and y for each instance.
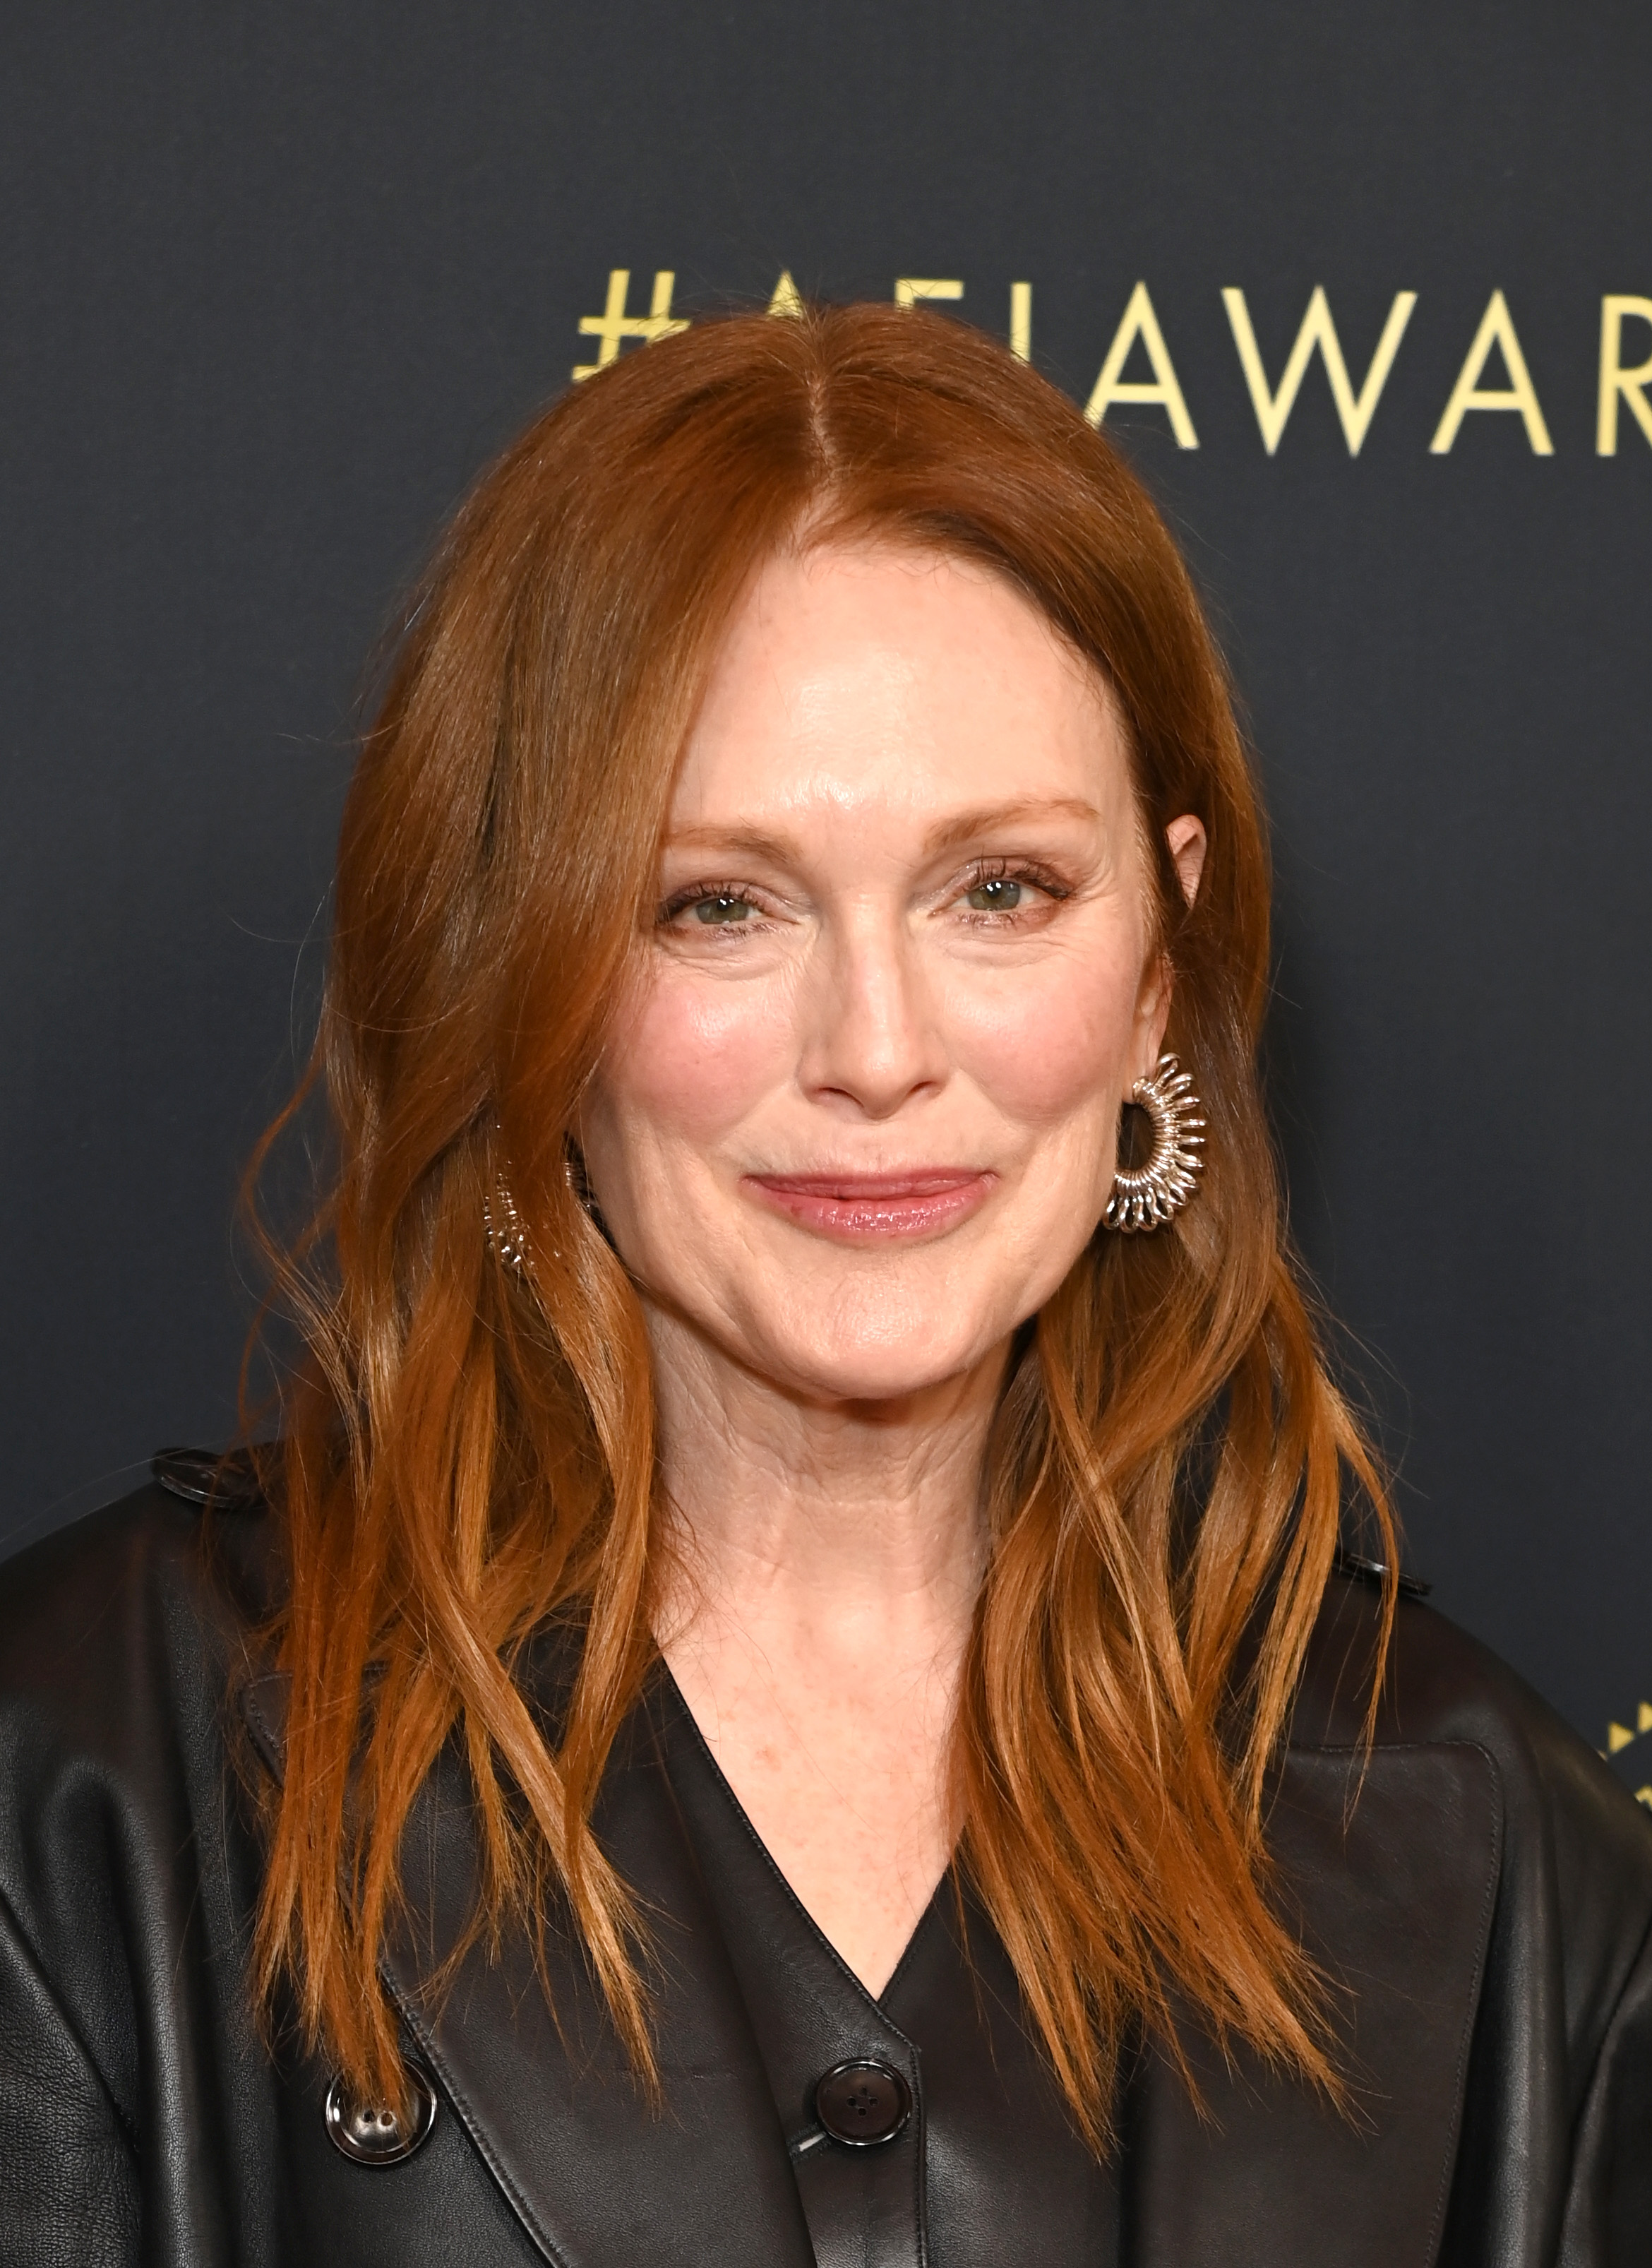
(469, 1452)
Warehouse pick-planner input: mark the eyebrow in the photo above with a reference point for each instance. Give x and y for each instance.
(988, 816)
(963, 828)
(742, 841)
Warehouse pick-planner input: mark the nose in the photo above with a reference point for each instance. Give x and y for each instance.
(872, 1039)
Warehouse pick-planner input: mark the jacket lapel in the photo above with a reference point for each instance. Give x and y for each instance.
(1391, 1863)
(597, 2174)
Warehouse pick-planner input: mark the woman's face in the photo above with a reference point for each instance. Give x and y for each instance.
(857, 1119)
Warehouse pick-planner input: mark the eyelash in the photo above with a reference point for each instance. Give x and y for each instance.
(680, 900)
(1010, 869)
(983, 870)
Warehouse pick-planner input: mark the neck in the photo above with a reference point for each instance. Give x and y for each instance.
(833, 1522)
(815, 1614)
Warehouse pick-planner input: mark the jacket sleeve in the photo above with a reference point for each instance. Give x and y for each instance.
(68, 2184)
(1609, 2205)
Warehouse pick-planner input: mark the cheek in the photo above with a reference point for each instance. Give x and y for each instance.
(1051, 1042)
(691, 1059)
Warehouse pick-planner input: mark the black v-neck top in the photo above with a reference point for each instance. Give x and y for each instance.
(987, 2170)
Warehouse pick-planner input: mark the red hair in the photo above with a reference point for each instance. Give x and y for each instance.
(470, 1455)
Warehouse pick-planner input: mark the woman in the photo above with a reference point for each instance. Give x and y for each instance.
(791, 1691)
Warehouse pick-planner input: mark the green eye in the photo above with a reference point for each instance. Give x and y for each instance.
(1001, 896)
(721, 907)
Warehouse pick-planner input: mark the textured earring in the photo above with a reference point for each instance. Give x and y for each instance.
(504, 1224)
(1147, 1196)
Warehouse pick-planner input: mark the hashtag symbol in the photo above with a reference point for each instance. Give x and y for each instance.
(614, 324)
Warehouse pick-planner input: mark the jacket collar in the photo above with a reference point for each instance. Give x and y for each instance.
(1390, 1864)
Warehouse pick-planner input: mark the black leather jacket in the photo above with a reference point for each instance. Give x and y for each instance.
(1481, 1886)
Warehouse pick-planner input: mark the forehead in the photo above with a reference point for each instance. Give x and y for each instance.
(910, 679)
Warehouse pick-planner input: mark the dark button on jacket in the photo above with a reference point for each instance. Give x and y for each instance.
(863, 2104)
(923, 2126)
(1481, 1889)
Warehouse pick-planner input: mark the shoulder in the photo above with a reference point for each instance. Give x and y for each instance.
(141, 1612)
(1440, 1684)
(1573, 1870)
(128, 1871)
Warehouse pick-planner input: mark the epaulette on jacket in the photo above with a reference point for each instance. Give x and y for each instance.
(227, 1482)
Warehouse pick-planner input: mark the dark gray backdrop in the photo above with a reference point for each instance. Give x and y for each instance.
(276, 279)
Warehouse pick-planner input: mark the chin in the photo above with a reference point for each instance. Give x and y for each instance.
(906, 1356)
(863, 1380)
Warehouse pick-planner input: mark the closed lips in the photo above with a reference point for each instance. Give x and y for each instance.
(875, 1208)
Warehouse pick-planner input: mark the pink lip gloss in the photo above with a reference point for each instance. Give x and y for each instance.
(875, 1208)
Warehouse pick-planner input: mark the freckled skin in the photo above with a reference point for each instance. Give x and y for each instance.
(905, 934)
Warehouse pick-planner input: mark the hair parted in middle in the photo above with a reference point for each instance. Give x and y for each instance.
(470, 1454)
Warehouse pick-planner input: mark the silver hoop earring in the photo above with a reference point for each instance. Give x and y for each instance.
(1147, 1196)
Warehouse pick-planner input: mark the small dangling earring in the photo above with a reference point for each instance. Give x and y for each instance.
(1146, 1196)
(506, 1236)
(504, 1227)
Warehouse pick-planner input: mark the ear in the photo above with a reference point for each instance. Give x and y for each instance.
(1187, 842)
